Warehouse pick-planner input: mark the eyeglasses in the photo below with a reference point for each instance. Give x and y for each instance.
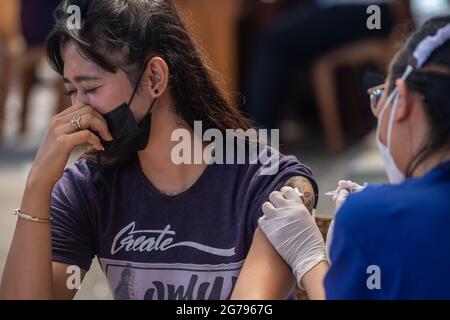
(375, 94)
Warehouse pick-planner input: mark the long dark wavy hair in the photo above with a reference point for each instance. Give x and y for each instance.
(122, 34)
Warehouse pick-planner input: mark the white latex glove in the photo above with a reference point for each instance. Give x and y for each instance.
(345, 187)
(293, 232)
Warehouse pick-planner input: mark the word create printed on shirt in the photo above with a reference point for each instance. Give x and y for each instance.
(131, 240)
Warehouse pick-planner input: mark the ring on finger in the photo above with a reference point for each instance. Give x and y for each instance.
(76, 123)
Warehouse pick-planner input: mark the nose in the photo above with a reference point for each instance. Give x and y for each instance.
(80, 98)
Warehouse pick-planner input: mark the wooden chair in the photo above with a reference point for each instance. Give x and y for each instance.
(375, 51)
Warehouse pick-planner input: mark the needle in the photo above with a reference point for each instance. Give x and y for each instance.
(298, 192)
(335, 193)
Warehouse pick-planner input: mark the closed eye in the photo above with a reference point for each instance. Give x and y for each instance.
(89, 91)
(72, 92)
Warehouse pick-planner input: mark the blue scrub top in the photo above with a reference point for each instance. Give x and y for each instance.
(393, 242)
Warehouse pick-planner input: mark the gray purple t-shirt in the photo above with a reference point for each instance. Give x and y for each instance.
(153, 246)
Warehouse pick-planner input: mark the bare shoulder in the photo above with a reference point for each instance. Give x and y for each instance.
(305, 186)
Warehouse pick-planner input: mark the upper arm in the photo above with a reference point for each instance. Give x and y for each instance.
(65, 280)
(264, 276)
(305, 186)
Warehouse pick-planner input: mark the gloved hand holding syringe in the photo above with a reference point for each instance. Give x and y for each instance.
(345, 187)
(293, 231)
(350, 186)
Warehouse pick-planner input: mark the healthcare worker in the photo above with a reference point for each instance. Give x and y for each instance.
(389, 241)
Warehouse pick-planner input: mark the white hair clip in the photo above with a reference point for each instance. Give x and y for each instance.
(429, 44)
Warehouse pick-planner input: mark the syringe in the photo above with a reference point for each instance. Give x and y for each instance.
(335, 193)
(298, 192)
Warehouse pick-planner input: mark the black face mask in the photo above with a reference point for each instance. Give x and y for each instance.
(129, 136)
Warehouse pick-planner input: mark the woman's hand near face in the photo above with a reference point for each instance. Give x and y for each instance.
(31, 248)
(62, 138)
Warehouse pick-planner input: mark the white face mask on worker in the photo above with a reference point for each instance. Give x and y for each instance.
(395, 175)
